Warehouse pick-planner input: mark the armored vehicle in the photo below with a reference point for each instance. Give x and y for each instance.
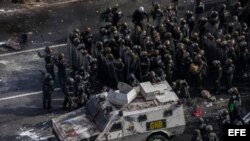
(148, 112)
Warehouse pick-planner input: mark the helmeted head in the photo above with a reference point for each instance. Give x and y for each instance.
(233, 90)
(225, 112)
(78, 78)
(169, 8)
(60, 56)
(197, 132)
(209, 128)
(87, 30)
(157, 6)
(48, 49)
(182, 21)
(70, 80)
(48, 76)
(76, 30)
(216, 62)
(144, 54)
(115, 6)
(141, 9)
(200, 120)
(229, 61)
(235, 18)
(223, 6)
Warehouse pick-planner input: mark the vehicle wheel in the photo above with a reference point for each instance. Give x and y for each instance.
(157, 137)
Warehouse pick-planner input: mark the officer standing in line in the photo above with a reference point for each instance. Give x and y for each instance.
(216, 75)
(157, 14)
(138, 17)
(49, 60)
(197, 135)
(48, 88)
(210, 135)
(62, 66)
(229, 73)
(68, 93)
(175, 2)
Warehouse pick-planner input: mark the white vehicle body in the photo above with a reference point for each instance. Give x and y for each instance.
(146, 115)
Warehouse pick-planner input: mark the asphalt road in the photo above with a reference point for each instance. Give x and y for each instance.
(21, 115)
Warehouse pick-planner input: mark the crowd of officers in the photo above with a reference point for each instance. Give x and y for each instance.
(202, 49)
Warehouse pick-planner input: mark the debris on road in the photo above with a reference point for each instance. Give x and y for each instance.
(207, 95)
(31, 134)
(197, 111)
(17, 42)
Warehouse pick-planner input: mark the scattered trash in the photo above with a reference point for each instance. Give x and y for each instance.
(30, 134)
(17, 42)
(221, 99)
(197, 111)
(33, 136)
(210, 104)
(212, 98)
(49, 33)
(207, 95)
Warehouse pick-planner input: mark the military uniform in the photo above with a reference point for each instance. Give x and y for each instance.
(133, 81)
(62, 66)
(138, 17)
(169, 70)
(196, 136)
(202, 126)
(80, 91)
(200, 9)
(216, 75)
(229, 73)
(87, 39)
(48, 88)
(190, 21)
(68, 94)
(117, 15)
(49, 61)
(210, 135)
(157, 15)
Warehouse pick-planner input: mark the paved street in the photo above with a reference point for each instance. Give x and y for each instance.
(21, 115)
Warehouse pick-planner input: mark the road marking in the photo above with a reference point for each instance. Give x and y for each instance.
(26, 94)
(31, 50)
(36, 6)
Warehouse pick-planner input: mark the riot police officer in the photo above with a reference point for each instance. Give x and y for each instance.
(199, 9)
(68, 93)
(229, 73)
(202, 126)
(216, 75)
(210, 135)
(157, 15)
(80, 91)
(87, 38)
(62, 66)
(117, 14)
(48, 88)
(197, 135)
(49, 60)
(138, 16)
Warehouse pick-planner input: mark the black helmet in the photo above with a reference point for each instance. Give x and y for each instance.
(48, 49)
(48, 76)
(70, 80)
(60, 56)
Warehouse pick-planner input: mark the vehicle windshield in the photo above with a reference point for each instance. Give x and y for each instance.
(97, 113)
